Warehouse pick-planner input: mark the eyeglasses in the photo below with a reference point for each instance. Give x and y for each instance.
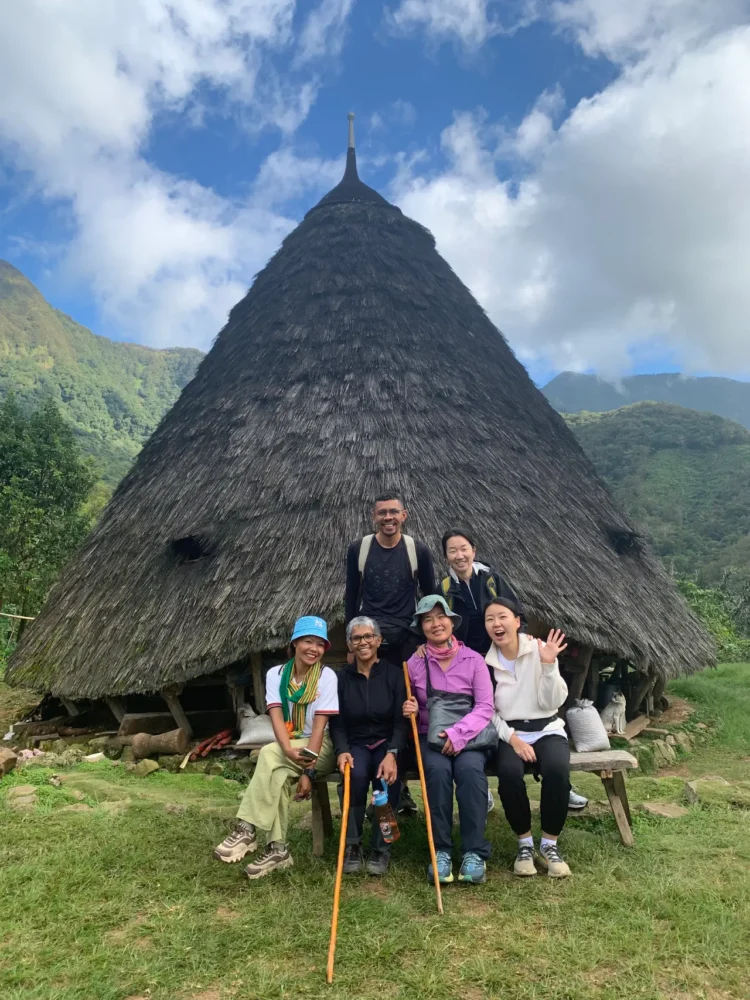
(388, 513)
(357, 640)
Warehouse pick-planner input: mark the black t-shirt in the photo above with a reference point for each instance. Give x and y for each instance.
(389, 592)
(471, 594)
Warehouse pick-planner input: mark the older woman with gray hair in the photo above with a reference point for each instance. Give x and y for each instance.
(369, 733)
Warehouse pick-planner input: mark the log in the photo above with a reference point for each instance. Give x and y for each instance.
(146, 744)
(210, 721)
(579, 678)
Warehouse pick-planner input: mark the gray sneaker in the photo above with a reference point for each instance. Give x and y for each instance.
(353, 860)
(274, 857)
(378, 863)
(576, 802)
(241, 841)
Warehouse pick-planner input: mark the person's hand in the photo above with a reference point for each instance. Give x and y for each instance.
(343, 759)
(555, 645)
(421, 651)
(410, 707)
(388, 769)
(304, 789)
(350, 658)
(296, 757)
(448, 747)
(524, 750)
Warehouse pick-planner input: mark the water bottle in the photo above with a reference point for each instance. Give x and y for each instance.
(385, 816)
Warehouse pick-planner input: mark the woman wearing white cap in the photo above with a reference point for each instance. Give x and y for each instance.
(301, 695)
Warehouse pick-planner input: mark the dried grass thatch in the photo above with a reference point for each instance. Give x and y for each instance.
(357, 359)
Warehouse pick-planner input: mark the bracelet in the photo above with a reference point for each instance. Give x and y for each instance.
(310, 773)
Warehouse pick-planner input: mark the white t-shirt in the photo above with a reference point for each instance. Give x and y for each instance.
(509, 665)
(327, 702)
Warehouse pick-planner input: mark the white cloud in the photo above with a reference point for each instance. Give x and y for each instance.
(631, 220)
(471, 22)
(81, 83)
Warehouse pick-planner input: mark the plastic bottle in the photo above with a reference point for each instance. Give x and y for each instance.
(385, 816)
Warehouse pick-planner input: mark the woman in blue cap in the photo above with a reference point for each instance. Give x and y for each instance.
(301, 695)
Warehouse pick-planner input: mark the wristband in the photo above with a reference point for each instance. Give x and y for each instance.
(311, 773)
(394, 751)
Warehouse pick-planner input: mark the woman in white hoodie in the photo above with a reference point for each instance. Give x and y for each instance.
(528, 693)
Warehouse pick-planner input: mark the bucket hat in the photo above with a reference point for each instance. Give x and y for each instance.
(311, 625)
(427, 604)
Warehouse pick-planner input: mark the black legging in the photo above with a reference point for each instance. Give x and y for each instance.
(553, 764)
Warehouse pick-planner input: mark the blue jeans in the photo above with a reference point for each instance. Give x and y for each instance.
(466, 770)
(361, 776)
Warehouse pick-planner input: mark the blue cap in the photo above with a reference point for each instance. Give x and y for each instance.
(311, 625)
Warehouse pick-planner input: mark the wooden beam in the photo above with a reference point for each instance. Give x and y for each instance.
(116, 707)
(636, 726)
(259, 693)
(579, 678)
(170, 696)
(593, 681)
(644, 687)
(70, 706)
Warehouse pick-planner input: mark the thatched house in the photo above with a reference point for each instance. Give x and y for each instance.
(357, 359)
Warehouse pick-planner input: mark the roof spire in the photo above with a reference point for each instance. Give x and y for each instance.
(350, 174)
(350, 116)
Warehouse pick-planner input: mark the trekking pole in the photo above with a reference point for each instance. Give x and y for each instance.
(428, 818)
(339, 873)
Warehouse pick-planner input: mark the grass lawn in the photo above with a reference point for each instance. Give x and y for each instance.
(125, 901)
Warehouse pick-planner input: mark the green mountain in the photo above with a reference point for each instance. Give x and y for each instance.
(571, 393)
(113, 394)
(682, 476)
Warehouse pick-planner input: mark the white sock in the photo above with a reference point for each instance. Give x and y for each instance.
(280, 845)
(546, 842)
(526, 842)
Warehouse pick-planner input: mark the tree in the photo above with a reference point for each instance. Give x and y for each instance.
(44, 484)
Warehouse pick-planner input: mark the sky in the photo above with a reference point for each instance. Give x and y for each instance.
(583, 164)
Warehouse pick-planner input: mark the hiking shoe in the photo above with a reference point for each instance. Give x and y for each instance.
(378, 863)
(353, 861)
(274, 857)
(406, 803)
(444, 866)
(241, 841)
(576, 802)
(490, 801)
(473, 868)
(550, 858)
(524, 863)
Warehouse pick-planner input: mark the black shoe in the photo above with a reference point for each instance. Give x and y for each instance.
(406, 803)
(378, 863)
(353, 860)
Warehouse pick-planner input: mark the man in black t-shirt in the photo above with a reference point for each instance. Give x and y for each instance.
(383, 573)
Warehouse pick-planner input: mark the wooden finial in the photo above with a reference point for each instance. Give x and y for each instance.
(350, 116)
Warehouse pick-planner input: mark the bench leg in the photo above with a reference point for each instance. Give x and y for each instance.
(619, 781)
(620, 809)
(318, 827)
(325, 809)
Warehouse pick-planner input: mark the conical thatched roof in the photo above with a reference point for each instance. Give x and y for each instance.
(357, 360)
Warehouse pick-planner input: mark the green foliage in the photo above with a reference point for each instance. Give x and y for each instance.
(682, 476)
(112, 394)
(44, 485)
(724, 615)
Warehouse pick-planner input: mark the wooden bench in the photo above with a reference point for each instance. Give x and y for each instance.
(610, 765)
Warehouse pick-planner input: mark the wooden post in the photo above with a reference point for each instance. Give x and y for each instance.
(70, 706)
(619, 810)
(256, 665)
(170, 696)
(579, 678)
(644, 687)
(318, 825)
(594, 682)
(116, 707)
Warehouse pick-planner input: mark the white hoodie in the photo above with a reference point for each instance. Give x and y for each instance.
(534, 692)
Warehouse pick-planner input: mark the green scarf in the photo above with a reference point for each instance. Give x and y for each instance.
(294, 703)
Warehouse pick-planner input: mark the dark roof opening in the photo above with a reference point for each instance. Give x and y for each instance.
(188, 549)
(624, 541)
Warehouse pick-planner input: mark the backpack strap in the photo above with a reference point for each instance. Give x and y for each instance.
(364, 551)
(445, 586)
(411, 551)
(491, 585)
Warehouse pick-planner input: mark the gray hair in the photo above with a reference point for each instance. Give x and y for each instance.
(363, 620)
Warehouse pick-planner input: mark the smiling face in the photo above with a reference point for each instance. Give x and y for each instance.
(460, 554)
(437, 626)
(364, 643)
(308, 649)
(501, 624)
(389, 516)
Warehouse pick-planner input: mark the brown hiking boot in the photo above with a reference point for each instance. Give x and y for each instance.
(274, 857)
(241, 841)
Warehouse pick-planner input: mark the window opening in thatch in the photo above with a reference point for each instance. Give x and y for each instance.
(188, 549)
(624, 541)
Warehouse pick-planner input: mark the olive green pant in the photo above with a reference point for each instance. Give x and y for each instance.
(265, 803)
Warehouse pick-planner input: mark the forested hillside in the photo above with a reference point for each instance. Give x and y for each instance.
(570, 392)
(683, 476)
(112, 394)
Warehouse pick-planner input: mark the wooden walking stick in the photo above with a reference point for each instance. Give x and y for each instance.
(339, 873)
(427, 816)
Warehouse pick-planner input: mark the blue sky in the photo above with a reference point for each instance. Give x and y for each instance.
(581, 162)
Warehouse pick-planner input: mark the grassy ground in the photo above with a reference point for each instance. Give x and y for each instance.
(124, 901)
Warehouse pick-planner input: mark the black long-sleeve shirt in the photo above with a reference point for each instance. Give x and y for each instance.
(370, 708)
(388, 592)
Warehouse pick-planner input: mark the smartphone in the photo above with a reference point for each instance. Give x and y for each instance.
(308, 754)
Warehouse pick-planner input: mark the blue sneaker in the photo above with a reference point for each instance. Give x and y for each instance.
(445, 867)
(473, 868)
